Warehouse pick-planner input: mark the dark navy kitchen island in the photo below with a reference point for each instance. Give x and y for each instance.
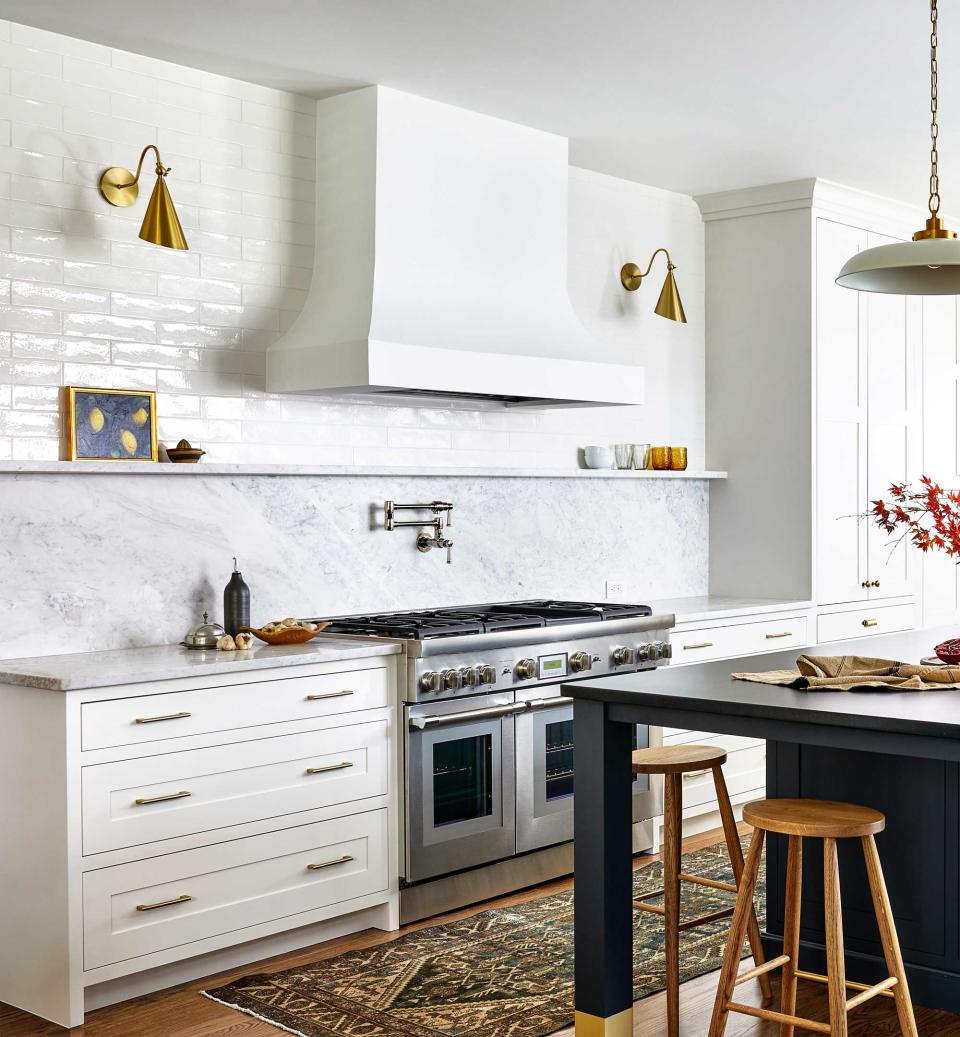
(896, 751)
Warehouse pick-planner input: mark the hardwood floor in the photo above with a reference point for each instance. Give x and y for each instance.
(182, 1012)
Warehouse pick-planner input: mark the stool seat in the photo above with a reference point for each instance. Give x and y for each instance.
(677, 759)
(817, 818)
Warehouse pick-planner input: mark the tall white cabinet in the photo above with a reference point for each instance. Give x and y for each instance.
(815, 404)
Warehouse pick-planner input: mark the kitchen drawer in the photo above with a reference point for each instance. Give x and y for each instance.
(865, 622)
(772, 635)
(180, 898)
(132, 802)
(731, 743)
(744, 770)
(153, 718)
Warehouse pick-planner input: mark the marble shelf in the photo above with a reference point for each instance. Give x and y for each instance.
(180, 470)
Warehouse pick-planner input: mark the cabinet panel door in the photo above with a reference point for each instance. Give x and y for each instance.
(941, 456)
(841, 436)
(893, 326)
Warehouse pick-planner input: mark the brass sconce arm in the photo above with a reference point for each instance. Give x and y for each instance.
(669, 304)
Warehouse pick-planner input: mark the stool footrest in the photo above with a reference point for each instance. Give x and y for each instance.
(760, 970)
(654, 909)
(779, 1017)
(729, 887)
(714, 916)
(817, 977)
(871, 992)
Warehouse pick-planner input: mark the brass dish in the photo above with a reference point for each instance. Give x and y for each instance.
(290, 636)
(184, 453)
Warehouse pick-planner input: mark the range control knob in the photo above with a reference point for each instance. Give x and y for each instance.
(469, 677)
(666, 650)
(431, 681)
(648, 652)
(623, 656)
(451, 679)
(487, 674)
(579, 662)
(526, 669)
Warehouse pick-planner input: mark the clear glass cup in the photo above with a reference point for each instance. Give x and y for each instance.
(660, 458)
(623, 452)
(641, 456)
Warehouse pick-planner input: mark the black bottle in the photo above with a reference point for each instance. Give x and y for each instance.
(236, 603)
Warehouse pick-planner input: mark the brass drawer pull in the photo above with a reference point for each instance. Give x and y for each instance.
(702, 644)
(329, 767)
(165, 903)
(696, 774)
(156, 720)
(329, 864)
(161, 799)
(869, 622)
(786, 633)
(870, 583)
(328, 695)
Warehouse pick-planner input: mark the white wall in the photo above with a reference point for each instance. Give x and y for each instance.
(84, 302)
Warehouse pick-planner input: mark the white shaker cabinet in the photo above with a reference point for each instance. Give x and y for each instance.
(814, 400)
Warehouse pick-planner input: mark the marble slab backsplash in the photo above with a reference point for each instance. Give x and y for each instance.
(96, 562)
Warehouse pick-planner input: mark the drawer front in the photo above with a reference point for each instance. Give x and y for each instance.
(774, 635)
(744, 770)
(152, 718)
(865, 622)
(731, 743)
(132, 802)
(146, 906)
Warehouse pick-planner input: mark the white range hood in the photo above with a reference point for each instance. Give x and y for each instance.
(441, 263)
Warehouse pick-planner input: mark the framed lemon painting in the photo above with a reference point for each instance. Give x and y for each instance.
(111, 424)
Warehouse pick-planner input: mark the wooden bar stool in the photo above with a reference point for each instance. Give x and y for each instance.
(673, 761)
(817, 819)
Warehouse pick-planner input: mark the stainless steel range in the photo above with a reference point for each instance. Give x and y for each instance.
(487, 747)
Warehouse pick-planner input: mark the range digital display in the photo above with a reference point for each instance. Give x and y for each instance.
(552, 665)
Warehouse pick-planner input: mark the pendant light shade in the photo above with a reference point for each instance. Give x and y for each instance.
(927, 267)
(669, 304)
(930, 263)
(161, 225)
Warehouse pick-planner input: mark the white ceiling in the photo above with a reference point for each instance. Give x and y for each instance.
(691, 96)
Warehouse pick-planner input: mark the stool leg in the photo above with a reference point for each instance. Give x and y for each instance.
(836, 970)
(888, 936)
(738, 930)
(791, 932)
(672, 831)
(735, 853)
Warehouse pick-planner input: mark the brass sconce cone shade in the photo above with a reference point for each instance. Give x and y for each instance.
(161, 225)
(669, 304)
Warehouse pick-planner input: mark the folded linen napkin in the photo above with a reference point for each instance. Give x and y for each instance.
(847, 672)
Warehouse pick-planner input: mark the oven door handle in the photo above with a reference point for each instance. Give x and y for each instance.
(535, 705)
(444, 720)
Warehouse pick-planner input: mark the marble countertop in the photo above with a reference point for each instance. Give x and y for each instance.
(165, 662)
(710, 606)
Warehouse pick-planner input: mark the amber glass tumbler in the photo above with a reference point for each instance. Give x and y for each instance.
(678, 458)
(660, 458)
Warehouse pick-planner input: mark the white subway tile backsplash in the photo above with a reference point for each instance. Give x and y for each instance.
(84, 302)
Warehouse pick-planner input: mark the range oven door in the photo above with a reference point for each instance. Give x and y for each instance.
(461, 776)
(545, 778)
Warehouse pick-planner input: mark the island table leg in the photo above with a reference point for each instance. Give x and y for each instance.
(603, 917)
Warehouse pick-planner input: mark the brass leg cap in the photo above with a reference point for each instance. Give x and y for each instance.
(619, 1025)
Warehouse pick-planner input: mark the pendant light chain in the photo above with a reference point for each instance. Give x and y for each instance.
(934, 201)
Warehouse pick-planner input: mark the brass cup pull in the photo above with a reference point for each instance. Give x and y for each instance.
(869, 622)
(165, 903)
(329, 767)
(328, 695)
(870, 583)
(156, 720)
(329, 864)
(695, 774)
(146, 800)
(785, 633)
(701, 644)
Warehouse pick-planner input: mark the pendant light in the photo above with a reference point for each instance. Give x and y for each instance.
(928, 265)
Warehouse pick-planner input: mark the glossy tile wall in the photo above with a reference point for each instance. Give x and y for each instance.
(83, 301)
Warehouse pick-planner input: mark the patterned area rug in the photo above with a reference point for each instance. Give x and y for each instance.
(501, 973)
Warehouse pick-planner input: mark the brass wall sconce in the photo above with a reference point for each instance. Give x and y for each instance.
(161, 225)
(669, 304)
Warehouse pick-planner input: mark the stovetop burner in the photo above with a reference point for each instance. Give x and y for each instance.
(426, 624)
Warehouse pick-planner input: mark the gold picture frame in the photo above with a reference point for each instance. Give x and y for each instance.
(110, 424)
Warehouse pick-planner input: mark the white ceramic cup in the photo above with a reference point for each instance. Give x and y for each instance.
(598, 457)
(641, 456)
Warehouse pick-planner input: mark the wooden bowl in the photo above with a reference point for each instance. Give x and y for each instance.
(290, 636)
